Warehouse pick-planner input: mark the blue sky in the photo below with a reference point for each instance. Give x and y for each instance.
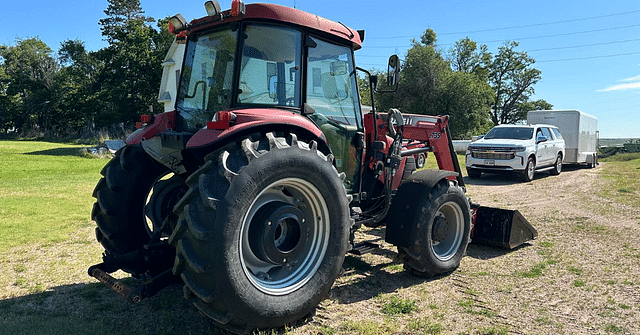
(588, 51)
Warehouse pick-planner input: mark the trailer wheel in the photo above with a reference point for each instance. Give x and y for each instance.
(420, 160)
(262, 232)
(529, 170)
(442, 231)
(134, 197)
(557, 167)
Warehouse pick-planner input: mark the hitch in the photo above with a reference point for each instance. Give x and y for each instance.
(133, 295)
(149, 260)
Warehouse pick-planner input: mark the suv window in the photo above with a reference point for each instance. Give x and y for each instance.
(557, 133)
(546, 132)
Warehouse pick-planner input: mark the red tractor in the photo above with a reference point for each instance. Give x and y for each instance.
(251, 190)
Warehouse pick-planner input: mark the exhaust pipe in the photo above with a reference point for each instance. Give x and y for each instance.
(501, 227)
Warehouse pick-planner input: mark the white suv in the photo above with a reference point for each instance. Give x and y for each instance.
(524, 149)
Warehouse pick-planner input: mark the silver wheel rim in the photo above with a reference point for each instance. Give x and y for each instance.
(530, 169)
(276, 279)
(450, 228)
(559, 164)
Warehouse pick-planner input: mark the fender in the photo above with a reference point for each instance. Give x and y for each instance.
(248, 121)
(406, 205)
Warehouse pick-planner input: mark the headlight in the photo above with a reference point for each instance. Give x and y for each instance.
(519, 148)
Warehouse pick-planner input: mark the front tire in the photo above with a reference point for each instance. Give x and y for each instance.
(472, 173)
(442, 231)
(262, 232)
(529, 170)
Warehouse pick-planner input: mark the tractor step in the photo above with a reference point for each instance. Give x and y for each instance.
(364, 248)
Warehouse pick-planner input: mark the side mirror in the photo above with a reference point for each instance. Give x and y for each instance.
(541, 139)
(273, 87)
(393, 71)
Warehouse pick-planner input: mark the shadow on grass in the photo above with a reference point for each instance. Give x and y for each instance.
(95, 309)
(513, 178)
(483, 252)
(57, 152)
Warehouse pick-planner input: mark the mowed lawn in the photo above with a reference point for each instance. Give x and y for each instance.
(45, 191)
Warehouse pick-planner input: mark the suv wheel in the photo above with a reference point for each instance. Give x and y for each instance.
(529, 170)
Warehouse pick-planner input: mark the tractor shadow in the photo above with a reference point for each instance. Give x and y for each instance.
(381, 271)
(95, 309)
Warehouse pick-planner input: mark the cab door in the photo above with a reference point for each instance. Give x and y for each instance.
(332, 93)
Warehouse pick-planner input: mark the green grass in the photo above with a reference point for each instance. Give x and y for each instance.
(396, 306)
(45, 191)
(621, 176)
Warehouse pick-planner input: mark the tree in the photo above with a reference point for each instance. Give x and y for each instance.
(79, 85)
(429, 86)
(30, 71)
(512, 79)
(132, 63)
(526, 106)
(466, 56)
(119, 14)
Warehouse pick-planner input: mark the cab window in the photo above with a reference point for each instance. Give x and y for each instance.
(331, 83)
(270, 66)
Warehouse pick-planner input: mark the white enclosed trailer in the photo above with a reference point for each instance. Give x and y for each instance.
(579, 130)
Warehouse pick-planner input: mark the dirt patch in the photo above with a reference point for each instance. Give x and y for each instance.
(579, 277)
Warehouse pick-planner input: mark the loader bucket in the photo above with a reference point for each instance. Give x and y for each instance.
(501, 228)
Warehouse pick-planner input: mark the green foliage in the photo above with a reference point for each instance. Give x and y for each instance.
(79, 91)
(512, 79)
(429, 86)
(535, 271)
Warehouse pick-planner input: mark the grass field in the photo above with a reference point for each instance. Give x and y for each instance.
(47, 243)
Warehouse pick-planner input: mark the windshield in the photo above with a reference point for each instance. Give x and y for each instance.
(207, 78)
(270, 68)
(510, 133)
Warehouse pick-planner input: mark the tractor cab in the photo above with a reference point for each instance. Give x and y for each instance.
(263, 59)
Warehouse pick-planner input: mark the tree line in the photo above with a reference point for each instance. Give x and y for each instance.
(476, 88)
(76, 92)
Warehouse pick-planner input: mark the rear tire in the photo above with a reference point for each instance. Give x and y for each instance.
(442, 231)
(262, 232)
(133, 200)
(557, 167)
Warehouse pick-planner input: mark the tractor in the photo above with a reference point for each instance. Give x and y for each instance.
(251, 189)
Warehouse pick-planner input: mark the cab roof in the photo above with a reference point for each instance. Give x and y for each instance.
(287, 15)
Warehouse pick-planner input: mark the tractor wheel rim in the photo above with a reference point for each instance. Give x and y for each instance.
(302, 231)
(450, 230)
(161, 197)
